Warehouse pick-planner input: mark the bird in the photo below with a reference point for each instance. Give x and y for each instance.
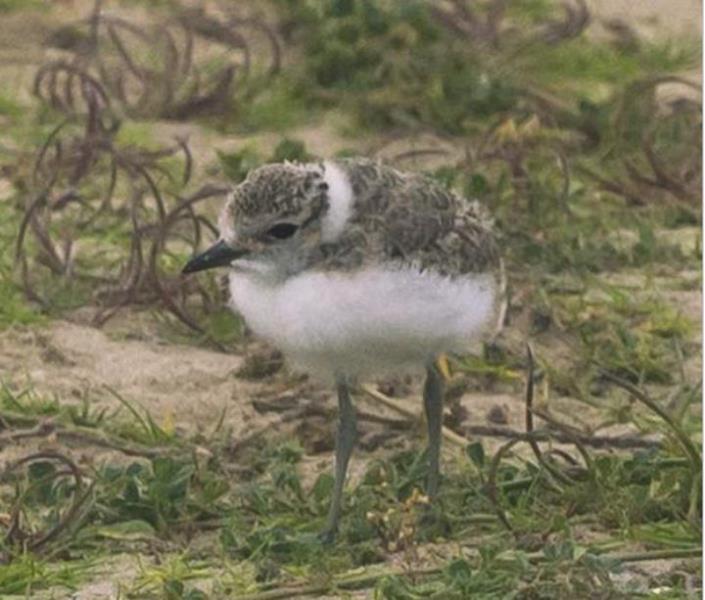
(356, 269)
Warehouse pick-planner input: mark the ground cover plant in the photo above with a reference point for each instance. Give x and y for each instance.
(572, 445)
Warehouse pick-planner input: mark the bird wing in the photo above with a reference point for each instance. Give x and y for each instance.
(409, 219)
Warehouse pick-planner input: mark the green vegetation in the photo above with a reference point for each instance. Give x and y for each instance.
(412, 64)
(14, 309)
(9, 6)
(519, 525)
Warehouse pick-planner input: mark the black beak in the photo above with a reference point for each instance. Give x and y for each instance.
(218, 255)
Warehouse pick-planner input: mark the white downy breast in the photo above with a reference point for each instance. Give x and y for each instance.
(366, 322)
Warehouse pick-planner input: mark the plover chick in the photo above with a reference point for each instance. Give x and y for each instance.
(354, 269)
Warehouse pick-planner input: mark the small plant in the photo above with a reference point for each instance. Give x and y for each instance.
(100, 250)
(185, 66)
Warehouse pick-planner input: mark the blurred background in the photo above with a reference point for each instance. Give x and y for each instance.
(151, 447)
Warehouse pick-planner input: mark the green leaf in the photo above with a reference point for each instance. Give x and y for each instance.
(236, 165)
(476, 453)
(323, 487)
(289, 149)
(460, 571)
(133, 530)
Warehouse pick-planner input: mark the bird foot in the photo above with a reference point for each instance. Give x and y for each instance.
(327, 536)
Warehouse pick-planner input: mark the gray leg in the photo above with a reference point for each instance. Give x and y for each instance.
(433, 405)
(344, 443)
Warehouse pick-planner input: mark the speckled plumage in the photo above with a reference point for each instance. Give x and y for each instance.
(398, 217)
(354, 268)
(274, 192)
(409, 219)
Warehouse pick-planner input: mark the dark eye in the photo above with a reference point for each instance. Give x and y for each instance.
(282, 231)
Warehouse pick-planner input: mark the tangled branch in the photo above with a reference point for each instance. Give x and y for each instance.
(18, 534)
(79, 173)
(201, 61)
(490, 27)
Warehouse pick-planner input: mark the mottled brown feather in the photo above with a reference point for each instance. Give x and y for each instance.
(409, 219)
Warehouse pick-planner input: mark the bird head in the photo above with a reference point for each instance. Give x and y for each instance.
(269, 218)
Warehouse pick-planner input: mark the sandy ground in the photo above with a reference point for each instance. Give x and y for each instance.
(185, 383)
(655, 18)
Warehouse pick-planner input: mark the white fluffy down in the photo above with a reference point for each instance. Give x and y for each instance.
(341, 200)
(367, 322)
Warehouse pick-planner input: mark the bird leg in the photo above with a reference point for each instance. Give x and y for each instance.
(433, 406)
(344, 443)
